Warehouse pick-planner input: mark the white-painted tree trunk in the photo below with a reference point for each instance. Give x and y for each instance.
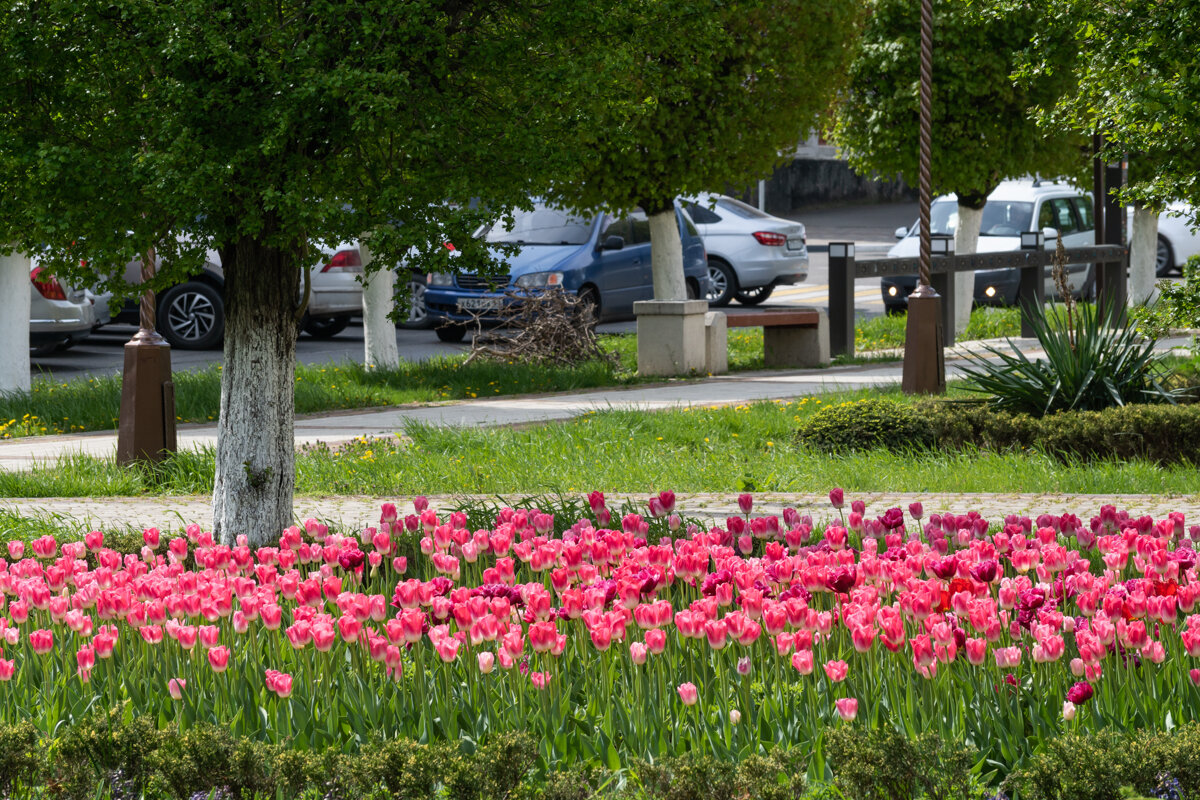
(255, 472)
(1143, 255)
(666, 257)
(14, 322)
(966, 242)
(379, 332)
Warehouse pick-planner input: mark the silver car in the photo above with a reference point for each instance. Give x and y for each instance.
(749, 252)
(60, 315)
(191, 314)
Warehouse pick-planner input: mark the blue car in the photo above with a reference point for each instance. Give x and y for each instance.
(604, 260)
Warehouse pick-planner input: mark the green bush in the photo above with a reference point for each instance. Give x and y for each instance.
(18, 761)
(776, 776)
(1161, 433)
(1110, 765)
(865, 424)
(887, 765)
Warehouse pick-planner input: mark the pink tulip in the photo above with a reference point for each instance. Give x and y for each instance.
(218, 658)
(836, 671)
(175, 687)
(447, 648)
(7, 669)
(688, 693)
(847, 708)
(16, 548)
(43, 546)
(637, 653)
(837, 498)
(745, 666)
(656, 641)
(85, 659)
(94, 540)
(323, 636)
(1194, 676)
(41, 641)
(802, 661)
(151, 537)
(487, 662)
(1068, 710)
(209, 635)
(745, 503)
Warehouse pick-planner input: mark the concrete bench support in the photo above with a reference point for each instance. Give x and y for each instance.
(793, 338)
(716, 343)
(671, 337)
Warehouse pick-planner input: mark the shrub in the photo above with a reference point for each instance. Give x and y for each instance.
(1091, 363)
(887, 765)
(18, 761)
(776, 776)
(864, 424)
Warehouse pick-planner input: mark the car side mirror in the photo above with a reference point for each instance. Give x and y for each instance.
(613, 243)
(1049, 233)
(901, 232)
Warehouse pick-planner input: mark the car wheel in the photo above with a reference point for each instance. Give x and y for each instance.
(589, 303)
(722, 283)
(1165, 259)
(752, 297)
(451, 333)
(692, 289)
(325, 327)
(418, 316)
(191, 316)
(50, 349)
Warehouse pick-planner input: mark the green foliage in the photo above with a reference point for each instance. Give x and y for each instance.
(714, 92)
(887, 765)
(982, 130)
(865, 424)
(1178, 305)
(1091, 363)
(776, 776)
(1136, 80)
(140, 759)
(18, 755)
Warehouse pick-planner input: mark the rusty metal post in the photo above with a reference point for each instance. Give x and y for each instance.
(146, 429)
(924, 359)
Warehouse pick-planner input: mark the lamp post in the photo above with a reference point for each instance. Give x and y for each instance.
(146, 430)
(924, 360)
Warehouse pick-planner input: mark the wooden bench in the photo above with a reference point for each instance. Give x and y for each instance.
(791, 338)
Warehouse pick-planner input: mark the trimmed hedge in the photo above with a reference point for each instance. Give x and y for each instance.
(1160, 433)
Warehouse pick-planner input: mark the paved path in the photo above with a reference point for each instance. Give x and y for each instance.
(355, 513)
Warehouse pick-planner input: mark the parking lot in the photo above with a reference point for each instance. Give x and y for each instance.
(869, 226)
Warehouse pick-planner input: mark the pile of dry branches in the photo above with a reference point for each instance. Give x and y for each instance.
(546, 327)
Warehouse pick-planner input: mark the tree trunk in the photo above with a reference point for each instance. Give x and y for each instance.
(255, 474)
(666, 255)
(1143, 255)
(14, 322)
(379, 332)
(966, 242)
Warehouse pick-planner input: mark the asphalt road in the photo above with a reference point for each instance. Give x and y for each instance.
(870, 227)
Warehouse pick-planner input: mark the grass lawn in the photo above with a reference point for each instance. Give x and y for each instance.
(92, 404)
(747, 447)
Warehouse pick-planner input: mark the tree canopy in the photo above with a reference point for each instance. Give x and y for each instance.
(983, 131)
(1136, 80)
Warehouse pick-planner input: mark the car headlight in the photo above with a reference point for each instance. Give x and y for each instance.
(539, 280)
(439, 279)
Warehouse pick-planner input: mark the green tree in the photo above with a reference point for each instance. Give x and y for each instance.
(257, 128)
(983, 132)
(715, 92)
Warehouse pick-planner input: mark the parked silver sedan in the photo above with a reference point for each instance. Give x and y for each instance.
(60, 315)
(749, 252)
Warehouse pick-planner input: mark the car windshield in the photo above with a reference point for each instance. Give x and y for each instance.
(1000, 218)
(543, 225)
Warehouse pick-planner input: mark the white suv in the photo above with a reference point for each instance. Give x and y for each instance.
(1058, 209)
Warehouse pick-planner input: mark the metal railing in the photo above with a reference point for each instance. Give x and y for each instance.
(844, 269)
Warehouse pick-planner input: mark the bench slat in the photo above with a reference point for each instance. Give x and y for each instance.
(771, 319)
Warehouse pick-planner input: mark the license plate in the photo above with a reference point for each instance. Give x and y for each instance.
(479, 303)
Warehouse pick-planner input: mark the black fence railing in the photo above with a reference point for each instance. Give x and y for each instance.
(1108, 261)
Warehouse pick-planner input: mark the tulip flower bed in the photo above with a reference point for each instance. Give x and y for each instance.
(615, 639)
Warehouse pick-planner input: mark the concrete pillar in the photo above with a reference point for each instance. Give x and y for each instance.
(671, 339)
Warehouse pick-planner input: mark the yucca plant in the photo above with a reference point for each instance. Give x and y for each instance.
(1090, 363)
